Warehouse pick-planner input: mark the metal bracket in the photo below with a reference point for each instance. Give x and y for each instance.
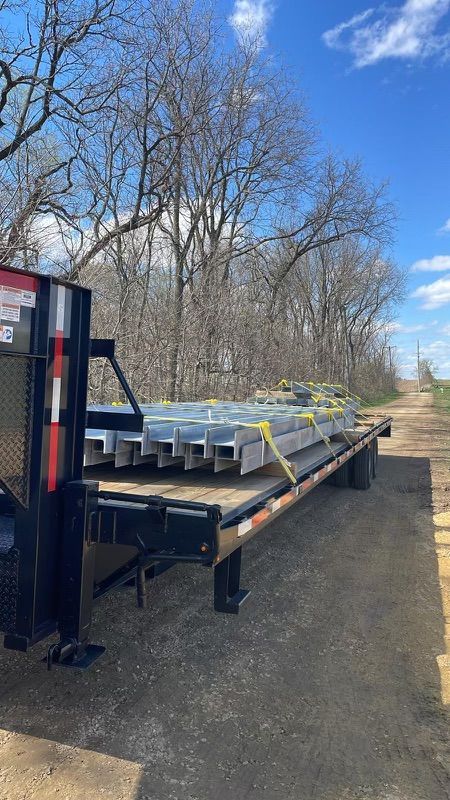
(105, 348)
(228, 597)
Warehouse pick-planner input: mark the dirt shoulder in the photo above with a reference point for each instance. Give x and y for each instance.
(333, 683)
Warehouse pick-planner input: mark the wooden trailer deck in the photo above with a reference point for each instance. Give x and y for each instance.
(233, 492)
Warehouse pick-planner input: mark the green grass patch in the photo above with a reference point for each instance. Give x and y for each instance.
(441, 399)
(382, 399)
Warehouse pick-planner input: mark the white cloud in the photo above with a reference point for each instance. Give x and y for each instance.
(407, 32)
(250, 20)
(398, 327)
(332, 38)
(434, 295)
(445, 227)
(52, 239)
(435, 264)
(438, 352)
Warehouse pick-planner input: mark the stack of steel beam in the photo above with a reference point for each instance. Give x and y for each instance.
(224, 434)
(306, 394)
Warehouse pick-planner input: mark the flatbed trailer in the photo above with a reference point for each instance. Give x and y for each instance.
(67, 539)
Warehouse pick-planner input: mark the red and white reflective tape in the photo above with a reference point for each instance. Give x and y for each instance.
(305, 486)
(56, 391)
(261, 516)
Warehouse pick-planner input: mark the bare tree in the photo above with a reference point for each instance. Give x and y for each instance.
(427, 371)
(50, 66)
(54, 83)
(184, 180)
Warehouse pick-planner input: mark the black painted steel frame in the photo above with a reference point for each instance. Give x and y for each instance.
(105, 348)
(38, 523)
(159, 530)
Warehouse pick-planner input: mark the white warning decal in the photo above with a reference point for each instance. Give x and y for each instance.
(6, 334)
(18, 297)
(9, 295)
(10, 312)
(28, 299)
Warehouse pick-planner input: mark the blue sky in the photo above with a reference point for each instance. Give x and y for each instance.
(377, 79)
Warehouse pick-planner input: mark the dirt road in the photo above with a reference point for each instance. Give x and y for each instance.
(333, 684)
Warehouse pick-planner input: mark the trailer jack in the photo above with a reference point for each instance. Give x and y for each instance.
(228, 596)
(73, 654)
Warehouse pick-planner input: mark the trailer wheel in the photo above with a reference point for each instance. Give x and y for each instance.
(343, 475)
(374, 450)
(362, 469)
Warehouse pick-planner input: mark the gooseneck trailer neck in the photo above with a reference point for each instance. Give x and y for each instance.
(65, 541)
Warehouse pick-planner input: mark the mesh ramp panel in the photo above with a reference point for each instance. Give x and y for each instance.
(9, 571)
(16, 417)
(6, 533)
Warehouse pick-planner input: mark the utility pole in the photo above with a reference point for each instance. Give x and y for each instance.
(391, 373)
(418, 366)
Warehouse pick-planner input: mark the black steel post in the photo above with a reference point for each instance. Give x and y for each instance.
(141, 588)
(228, 597)
(234, 572)
(77, 579)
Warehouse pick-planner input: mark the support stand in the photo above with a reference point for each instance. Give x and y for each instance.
(67, 653)
(141, 588)
(228, 597)
(76, 582)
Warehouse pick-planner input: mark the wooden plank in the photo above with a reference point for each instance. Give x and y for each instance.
(195, 490)
(150, 481)
(238, 498)
(232, 491)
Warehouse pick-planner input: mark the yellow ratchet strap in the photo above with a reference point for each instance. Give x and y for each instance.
(312, 422)
(352, 394)
(263, 426)
(341, 429)
(283, 383)
(341, 412)
(266, 434)
(306, 386)
(338, 403)
(342, 400)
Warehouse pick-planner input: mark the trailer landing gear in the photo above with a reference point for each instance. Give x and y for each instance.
(69, 653)
(228, 597)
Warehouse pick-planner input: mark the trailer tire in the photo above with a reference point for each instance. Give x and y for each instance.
(374, 449)
(362, 469)
(343, 475)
